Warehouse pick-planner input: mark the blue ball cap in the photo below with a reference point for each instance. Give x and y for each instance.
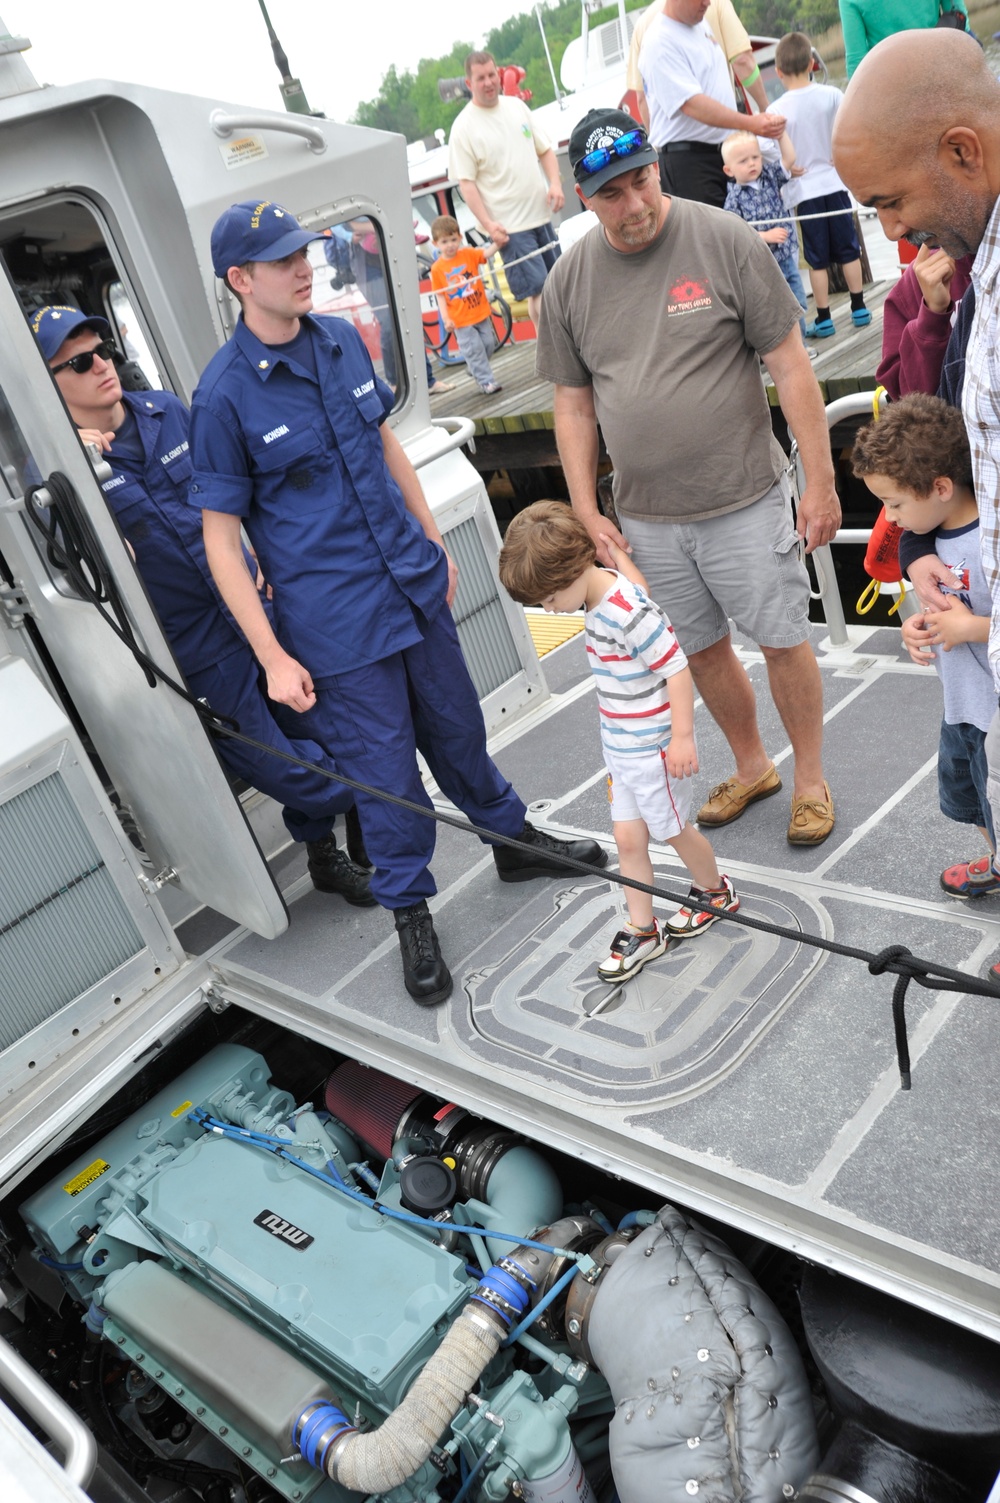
(255, 231)
(53, 325)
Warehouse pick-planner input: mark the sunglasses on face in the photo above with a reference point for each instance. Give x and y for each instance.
(625, 146)
(82, 363)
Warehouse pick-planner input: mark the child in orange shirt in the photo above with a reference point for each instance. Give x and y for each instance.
(465, 308)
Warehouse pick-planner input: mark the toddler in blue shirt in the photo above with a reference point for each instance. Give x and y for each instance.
(755, 195)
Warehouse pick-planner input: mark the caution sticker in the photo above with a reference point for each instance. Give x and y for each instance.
(86, 1177)
(183, 1109)
(242, 151)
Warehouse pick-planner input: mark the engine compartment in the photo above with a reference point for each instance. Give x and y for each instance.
(281, 1274)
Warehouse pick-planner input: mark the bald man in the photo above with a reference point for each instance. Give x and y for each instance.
(918, 139)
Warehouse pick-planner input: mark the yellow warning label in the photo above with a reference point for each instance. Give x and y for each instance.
(184, 1107)
(86, 1177)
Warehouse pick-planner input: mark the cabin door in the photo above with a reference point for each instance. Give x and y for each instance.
(149, 745)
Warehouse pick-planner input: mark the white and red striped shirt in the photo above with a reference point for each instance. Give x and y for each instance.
(632, 651)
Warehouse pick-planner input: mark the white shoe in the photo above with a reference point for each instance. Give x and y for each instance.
(688, 921)
(630, 952)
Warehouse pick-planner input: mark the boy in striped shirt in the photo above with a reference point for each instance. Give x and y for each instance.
(645, 697)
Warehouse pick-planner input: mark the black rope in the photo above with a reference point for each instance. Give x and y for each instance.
(73, 547)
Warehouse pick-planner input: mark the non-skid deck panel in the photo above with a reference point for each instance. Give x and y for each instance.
(328, 941)
(867, 757)
(927, 1168)
(780, 1115)
(559, 755)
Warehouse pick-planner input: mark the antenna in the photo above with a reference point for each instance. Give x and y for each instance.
(292, 92)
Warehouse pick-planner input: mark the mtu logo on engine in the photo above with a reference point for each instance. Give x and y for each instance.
(283, 1230)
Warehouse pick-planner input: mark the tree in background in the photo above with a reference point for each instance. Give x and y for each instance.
(410, 104)
(773, 18)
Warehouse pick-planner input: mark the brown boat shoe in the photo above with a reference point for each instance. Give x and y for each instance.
(812, 819)
(728, 800)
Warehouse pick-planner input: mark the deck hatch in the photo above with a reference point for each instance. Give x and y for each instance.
(680, 1025)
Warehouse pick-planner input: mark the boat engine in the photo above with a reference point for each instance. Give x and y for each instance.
(385, 1296)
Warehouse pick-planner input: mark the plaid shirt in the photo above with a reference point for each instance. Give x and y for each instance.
(756, 205)
(981, 411)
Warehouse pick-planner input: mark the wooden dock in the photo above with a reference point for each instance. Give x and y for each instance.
(514, 428)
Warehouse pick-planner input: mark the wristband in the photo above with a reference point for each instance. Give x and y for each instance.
(751, 78)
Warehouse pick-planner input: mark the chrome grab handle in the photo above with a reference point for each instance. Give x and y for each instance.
(56, 1418)
(223, 123)
(453, 433)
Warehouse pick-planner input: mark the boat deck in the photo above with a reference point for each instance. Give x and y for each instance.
(749, 1078)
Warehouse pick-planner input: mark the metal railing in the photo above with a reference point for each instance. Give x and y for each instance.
(48, 1410)
(858, 404)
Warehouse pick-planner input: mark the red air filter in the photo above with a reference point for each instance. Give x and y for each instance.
(369, 1103)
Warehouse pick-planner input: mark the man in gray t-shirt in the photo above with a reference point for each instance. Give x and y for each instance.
(652, 327)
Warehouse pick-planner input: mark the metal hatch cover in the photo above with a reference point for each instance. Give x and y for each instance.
(660, 1036)
(151, 742)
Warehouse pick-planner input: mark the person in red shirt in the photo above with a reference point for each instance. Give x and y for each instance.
(465, 308)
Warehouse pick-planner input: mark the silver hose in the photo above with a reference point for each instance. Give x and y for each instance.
(384, 1458)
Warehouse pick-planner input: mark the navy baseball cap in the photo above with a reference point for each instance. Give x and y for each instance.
(606, 143)
(254, 231)
(53, 325)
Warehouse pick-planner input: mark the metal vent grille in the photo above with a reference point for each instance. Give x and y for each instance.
(483, 629)
(63, 926)
(612, 48)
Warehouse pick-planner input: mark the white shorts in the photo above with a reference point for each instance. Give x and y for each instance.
(639, 787)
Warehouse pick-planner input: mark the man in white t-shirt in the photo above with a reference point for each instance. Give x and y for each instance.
(686, 81)
(498, 155)
(731, 35)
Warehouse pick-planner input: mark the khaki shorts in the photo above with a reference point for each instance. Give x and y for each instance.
(745, 567)
(639, 787)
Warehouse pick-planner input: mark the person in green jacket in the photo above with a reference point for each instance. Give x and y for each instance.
(867, 22)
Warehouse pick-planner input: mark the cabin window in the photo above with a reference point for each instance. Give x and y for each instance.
(58, 250)
(353, 280)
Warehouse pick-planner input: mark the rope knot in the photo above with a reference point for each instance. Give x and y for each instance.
(892, 959)
(900, 960)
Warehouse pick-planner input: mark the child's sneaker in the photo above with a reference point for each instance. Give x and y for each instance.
(630, 952)
(860, 317)
(820, 328)
(491, 389)
(688, 921)
(971, 879)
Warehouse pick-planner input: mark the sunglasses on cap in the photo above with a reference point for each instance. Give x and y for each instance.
(625, 146)
(82, 363)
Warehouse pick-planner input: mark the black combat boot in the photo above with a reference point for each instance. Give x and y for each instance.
(519, 866)
(425, 975)
(332, 871)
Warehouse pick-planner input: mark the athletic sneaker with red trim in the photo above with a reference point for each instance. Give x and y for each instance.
(688, 921)
(630, 951)
(971, 879)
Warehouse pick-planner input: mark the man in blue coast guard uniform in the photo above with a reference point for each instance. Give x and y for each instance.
(144, 436)
(288, 432)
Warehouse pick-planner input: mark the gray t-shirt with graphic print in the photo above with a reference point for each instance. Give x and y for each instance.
(668, 336)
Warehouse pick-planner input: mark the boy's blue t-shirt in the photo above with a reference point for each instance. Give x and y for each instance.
(965, 673)
(762, 200)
